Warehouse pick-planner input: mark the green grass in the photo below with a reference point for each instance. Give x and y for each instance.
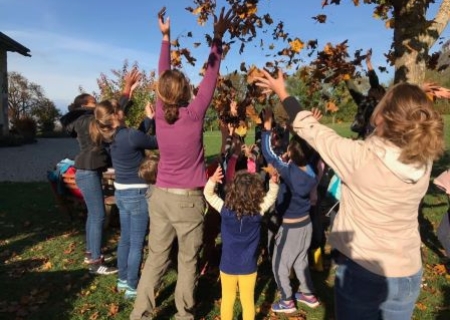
(42, 274)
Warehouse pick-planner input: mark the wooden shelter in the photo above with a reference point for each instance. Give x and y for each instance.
(7, 44)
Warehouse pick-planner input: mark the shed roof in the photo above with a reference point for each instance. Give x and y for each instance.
(8, 44)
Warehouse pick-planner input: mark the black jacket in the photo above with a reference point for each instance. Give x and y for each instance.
(90, 157)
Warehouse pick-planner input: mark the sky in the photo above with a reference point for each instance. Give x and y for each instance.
(73, 42)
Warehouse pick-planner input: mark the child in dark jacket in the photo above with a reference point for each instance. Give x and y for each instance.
(294, 236)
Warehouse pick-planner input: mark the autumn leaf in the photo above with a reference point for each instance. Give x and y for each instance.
(331, 107)
(321, 18)
(253, 73)
(390, 23)
(296, 45)
(241, 130)
(113, 310)
(270, 170)
(250, 111)
(47, 266)
(421, 306)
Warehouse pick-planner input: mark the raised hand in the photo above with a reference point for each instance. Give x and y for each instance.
(149, 110)
(217, 176)
(131, 81)
(267, 119)
(316, 113)
(223, 23)
(164, 26)
(269, 84)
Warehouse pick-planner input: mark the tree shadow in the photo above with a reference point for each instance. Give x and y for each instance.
(34, 294)
(428, 233)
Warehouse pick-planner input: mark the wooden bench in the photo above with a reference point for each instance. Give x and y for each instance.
(72, 201)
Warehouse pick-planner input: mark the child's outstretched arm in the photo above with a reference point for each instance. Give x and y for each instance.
(211, 197)
(271, 195)
(373, 78)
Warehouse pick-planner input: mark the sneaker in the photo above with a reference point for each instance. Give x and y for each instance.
(130, 293)
(101, 269)
(105, 258)
(122, 285)
(309, 299)
(286, 306)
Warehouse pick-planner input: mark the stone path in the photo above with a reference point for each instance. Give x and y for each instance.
(30, 162)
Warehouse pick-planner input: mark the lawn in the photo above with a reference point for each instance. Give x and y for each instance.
(41, 270)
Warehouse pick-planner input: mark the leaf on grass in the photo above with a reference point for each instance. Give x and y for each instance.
(113, 310)
(47, 266)
(94, 316)
(421, 306)
(439, 269)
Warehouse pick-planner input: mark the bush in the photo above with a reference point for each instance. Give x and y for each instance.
(26, 127)
(11, 140)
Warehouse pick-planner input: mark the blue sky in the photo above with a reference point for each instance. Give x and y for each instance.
(72, 42)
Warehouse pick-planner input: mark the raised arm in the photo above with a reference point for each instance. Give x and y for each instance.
(211, 197)
(373, 78)
(208, 84)
(277, 85)
(164, 56)
(147, 125)
(266, 147)
(271, 195)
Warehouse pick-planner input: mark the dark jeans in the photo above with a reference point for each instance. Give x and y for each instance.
(134, 218)
(361, 294)
(90, 184)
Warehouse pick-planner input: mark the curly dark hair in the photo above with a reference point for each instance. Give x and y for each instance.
(245, 194)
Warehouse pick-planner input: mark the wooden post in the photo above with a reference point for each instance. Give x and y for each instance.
(4, 121)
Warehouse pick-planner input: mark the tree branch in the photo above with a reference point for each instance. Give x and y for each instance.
(440, 23)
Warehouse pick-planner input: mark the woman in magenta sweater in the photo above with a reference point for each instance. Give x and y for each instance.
(177, 203)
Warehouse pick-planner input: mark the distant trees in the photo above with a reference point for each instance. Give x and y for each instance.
(27, 103)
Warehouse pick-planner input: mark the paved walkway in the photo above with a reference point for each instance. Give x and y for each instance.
(30, 162)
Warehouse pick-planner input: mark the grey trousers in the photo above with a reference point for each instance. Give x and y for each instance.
(291, 251)
(171, 215)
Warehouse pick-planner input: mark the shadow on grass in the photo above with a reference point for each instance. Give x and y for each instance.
(444, 313)
(32, 294)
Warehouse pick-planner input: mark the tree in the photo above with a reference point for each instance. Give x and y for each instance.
(111, 88)
(23, 96)
(46, 114)
(27, 102)
(413, 34)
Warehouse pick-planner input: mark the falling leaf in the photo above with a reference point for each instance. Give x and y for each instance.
(321, 18)
(296, 45)
(390, 23)
(253, 73)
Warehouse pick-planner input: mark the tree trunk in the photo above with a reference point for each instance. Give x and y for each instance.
(414, 36)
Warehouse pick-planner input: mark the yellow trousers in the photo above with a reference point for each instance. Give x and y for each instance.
(246, 285)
